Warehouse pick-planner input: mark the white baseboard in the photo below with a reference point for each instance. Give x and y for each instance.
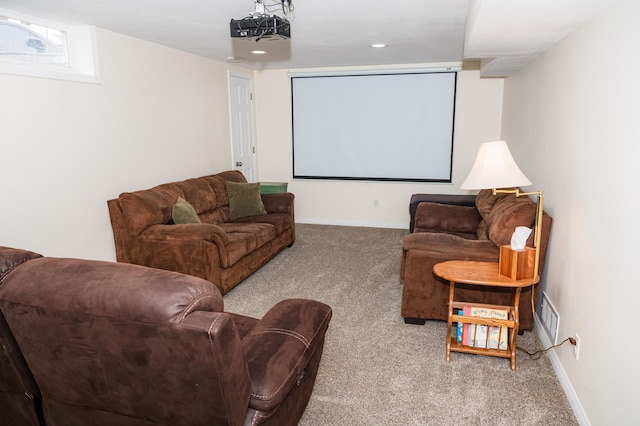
(322, 221)
(578, 410)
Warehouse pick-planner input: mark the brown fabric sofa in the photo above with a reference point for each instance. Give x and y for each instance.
(117, 344)
(461, 232)
(219, 249)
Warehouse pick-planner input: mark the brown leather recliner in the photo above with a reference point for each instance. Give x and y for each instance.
(124, 344)
(20, 400)
(468, 228)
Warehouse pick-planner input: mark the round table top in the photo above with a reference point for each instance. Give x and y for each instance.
(479, 273)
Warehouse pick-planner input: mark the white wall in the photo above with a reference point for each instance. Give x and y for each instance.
(571, 120)
(159, 115)
(478, 119)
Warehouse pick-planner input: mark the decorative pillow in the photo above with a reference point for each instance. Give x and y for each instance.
(244, 200)
(183, 212)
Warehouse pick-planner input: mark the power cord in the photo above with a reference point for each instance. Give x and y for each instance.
(537, 354)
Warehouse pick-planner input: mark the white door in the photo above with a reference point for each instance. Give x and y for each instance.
(243, 148)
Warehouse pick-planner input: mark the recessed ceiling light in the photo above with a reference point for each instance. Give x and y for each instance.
(258, 52)
(235, 59)
(378, 45)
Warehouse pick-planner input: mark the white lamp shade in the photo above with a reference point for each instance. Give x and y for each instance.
(494, 168)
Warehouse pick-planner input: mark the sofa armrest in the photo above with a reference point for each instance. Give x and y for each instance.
(434, 217)
(433, 247)
(279, 347)
(278, 203)
(174, 247)
(450, 247)
(188, 231)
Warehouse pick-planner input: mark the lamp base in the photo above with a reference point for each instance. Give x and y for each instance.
(517, 264)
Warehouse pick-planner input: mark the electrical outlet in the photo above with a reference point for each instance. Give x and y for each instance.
(576, 348)
(376, 202)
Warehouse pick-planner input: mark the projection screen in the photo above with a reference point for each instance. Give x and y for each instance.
(396, 127)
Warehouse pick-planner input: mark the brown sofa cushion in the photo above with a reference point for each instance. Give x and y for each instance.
(485, 200)
(244, 200)
(183, 212)
(452, 219)
(142, 209)
(508, 213)
(200, 194)
(218, 184)
(280, 221)
(481, 232)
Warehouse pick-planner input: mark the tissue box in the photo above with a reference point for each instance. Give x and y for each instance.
(517, 264)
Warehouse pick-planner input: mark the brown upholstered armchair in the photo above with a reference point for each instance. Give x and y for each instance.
(20, 399)
(124, 344)
(473, 228)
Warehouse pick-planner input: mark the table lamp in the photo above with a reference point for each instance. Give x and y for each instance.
(494, 169)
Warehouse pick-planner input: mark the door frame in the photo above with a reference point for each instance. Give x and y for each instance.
(252, 121)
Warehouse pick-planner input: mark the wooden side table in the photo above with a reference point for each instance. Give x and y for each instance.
(482, 274)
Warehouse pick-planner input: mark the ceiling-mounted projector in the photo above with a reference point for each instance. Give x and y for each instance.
(261, 25)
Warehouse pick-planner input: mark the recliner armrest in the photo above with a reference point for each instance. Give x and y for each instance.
(12, 257)
(279, 347)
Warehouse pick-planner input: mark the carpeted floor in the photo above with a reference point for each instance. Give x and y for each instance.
(376, 370)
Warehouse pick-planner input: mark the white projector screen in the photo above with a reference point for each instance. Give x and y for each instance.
(374, 127)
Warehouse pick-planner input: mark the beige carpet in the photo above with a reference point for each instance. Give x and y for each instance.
(376, 370)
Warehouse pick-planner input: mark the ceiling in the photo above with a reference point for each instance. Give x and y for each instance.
(504, 34)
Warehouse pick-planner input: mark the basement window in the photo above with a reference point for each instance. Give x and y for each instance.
(38, 48)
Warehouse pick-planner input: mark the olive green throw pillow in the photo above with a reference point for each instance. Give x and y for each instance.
(244, 200)
(183, 212)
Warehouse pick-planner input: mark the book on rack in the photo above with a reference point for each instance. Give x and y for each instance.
(466, 311)
(491, 337)
(459, 327)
